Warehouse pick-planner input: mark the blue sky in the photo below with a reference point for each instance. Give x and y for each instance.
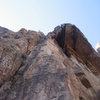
(44, 15)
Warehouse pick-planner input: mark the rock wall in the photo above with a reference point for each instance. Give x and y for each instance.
(59, 66)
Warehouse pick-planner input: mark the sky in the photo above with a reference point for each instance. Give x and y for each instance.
(45, 15)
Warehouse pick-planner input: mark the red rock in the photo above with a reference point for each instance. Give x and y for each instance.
(75, 43)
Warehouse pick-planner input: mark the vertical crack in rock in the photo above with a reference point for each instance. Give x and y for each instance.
(74, 37)
(64, 46)
(61, 39)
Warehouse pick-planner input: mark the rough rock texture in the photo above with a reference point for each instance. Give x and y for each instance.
(59, 66)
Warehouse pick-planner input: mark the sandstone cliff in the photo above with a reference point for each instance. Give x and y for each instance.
(60, 66)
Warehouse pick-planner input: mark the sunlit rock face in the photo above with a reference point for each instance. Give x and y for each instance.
(60, 66)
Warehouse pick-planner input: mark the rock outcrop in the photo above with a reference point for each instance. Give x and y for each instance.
(60, 66)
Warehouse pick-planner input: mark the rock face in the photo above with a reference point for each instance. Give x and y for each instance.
(59, 66)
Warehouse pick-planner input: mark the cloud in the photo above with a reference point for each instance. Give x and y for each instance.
(97, 45)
